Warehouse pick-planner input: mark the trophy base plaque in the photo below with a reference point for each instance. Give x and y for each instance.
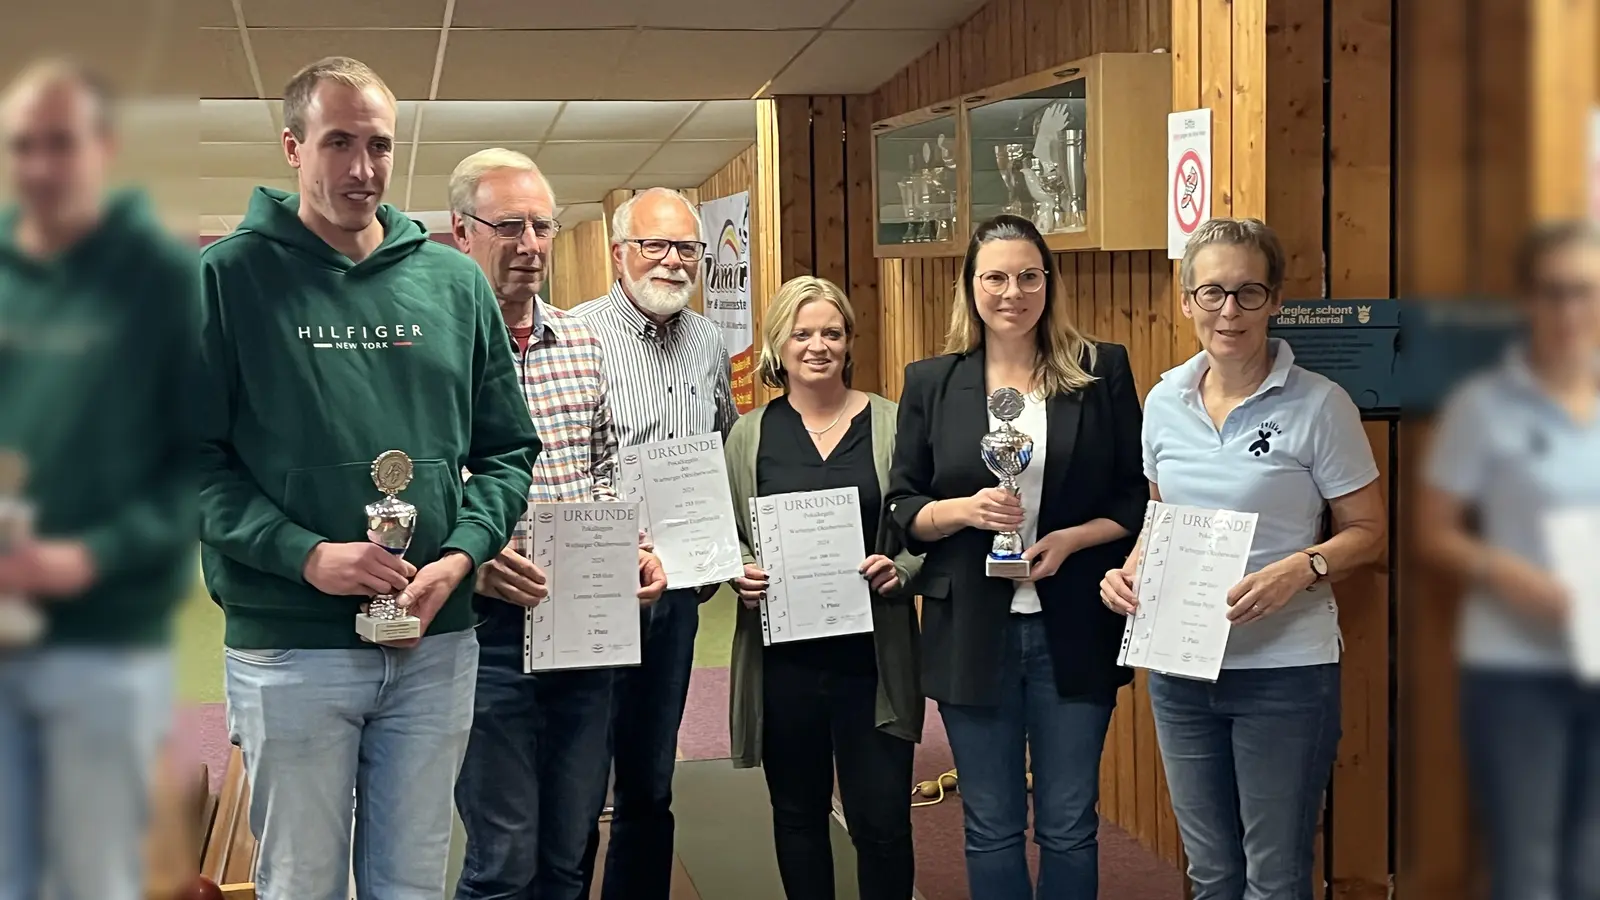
(384, 631)
(1016, 567)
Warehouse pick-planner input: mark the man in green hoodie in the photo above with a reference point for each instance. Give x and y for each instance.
(96, 333)
(333, 330)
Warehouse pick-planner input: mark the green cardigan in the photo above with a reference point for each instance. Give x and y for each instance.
(895, 630)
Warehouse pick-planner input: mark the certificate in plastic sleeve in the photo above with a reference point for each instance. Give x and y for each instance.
(681, 487)
(590, 556)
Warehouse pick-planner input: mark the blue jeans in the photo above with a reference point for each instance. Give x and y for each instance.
(79, 733)
(646, 712)
(1248, 761)
(991, 746)
(1532, 744)
(534, 778)
(387, 725)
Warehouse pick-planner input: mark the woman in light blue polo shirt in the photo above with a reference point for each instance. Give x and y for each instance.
(1512, 445)
(1241, 427)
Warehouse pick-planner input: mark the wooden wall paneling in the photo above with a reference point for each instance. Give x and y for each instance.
(1294, 159)
(1216, 93)
(828, 236)
(794, 167)
(1249, 114)
(1186, 91)
(1140, 319)
(1040, 16)
(1565, 86)
(766, 222)
(1104, 310)
(1015, 25)
(1112, 29)
(1359, 134)
(969, 76)
(1501, 78)
(861, 268)
(1157, 25)
(1127, 755)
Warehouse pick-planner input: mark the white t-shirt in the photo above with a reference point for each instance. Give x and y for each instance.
(1032, 423)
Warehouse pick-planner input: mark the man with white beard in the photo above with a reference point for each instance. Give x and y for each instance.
(669, 377)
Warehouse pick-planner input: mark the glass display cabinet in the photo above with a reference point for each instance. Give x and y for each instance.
(918, 183)
(1079, 149)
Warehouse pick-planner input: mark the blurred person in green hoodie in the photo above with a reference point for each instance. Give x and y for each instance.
(97, 334)
(334, 330)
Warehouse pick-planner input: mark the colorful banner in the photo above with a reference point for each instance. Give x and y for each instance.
(726, 278)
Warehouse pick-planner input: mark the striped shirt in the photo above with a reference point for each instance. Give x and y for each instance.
(671, 381)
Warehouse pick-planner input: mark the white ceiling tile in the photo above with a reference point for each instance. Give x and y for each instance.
(704, 157)
(572, 189)
(203, 13)
(516, 65)
(726, 14)
(215, 225)
(678, 181)
(582, 212)
(344, 13)
(620, 120)
(851, 62)
(712, 65)
(544, 14)
(427, 192)
(488, 121)
(404, 59)
(442, 159)
(237, 120)
(214, 60)
(933, 15)
(722, 119)
(594, 157)
(231, 196)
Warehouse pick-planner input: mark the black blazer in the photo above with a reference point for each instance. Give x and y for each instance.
(1093, 469)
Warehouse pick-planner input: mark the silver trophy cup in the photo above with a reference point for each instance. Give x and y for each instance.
(391, 522)
(21, 622)
(1006, 453)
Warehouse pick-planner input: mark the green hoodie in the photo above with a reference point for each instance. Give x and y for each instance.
(96, 351)
(314, 365)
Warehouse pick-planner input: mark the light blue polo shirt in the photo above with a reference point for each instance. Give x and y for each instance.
(1509, 450)
(1296, 443)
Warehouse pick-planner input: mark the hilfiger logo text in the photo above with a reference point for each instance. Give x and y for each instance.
(359, 337)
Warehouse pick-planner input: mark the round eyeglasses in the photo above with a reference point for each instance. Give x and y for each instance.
(1212, 297)
(1029, 281)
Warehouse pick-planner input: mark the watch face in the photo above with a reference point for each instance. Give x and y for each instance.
(1319, 564)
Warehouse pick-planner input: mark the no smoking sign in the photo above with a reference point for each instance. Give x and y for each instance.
(1188, 176)
(1189, 192)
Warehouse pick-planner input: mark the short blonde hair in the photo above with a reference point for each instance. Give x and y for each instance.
(302, 87)
(1250, 233)
(470, 171)
(781, 313)
(66, 71)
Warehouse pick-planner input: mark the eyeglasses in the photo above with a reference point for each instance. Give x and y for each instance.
(656, 248)
(512, 229)
(1029, 281)
(1212, 297)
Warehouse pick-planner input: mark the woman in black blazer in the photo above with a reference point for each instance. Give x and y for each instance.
(1030, 663)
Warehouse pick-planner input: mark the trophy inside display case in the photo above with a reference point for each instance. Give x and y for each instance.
(1029, 157)
(920, 161)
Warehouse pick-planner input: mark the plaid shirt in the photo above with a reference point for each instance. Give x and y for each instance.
(565, 385)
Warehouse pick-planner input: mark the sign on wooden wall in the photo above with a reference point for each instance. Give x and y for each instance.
(1188, 176)
(725, 222)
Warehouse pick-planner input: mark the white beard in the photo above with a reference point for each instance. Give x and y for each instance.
(659, 300)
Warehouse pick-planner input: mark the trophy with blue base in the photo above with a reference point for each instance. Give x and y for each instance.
(391, 522)
(1006, 453)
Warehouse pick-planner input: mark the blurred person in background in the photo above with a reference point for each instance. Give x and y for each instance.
(659, 356)
(1241, 427)
(534, 778)
(333, 330)
(1025, 671)
(798, 709)
(88, 277)
(1511, 445)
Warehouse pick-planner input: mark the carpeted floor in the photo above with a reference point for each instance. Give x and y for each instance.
(1127, 870)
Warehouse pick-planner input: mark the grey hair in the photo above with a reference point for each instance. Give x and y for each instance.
(1546, 240)
(470, 171)
(622, 219)
(1252, 233)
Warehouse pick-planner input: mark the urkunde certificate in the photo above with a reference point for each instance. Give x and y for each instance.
(809, 544)
(681, 487)
(590, 556)
(1571, 536)
(1192, 557)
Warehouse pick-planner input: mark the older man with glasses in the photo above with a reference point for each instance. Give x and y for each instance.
(534, 777)
(669, 378)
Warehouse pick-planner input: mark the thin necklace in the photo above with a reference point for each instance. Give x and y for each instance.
(815, 433)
